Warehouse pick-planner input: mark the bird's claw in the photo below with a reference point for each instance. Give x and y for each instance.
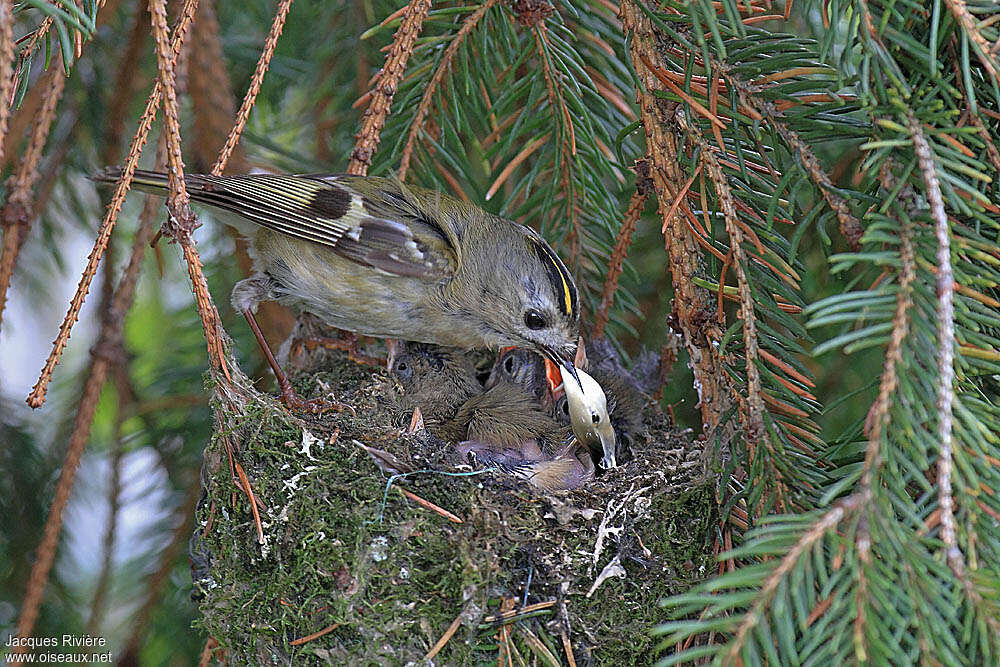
(312, 406)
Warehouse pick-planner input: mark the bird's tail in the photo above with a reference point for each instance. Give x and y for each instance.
(154, 182)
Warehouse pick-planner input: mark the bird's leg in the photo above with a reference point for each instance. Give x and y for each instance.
(288, 396)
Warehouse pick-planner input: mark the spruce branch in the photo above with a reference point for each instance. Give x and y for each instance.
(387, 83)
(181, 221)
(37, 396)
(18, 210)
(442, 68)
(690, 302)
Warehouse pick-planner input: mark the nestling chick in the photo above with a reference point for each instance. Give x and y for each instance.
(504, 426)
(437, 380)
(524, 369)
(569, 468)
(507, 416)
(588, 415)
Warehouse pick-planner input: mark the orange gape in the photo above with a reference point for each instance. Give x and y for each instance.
(554, 375)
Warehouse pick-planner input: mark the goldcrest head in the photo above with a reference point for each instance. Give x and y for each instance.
(531, 300)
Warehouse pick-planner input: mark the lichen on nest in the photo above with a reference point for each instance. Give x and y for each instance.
(385, 577)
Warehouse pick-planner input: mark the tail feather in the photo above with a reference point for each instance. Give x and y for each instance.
(149, 181)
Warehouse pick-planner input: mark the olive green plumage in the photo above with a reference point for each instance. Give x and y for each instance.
(383, 259)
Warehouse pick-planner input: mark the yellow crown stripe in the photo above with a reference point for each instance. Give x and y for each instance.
(560, 270)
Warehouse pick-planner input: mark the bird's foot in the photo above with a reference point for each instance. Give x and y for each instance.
(313, 406)
(348, 343)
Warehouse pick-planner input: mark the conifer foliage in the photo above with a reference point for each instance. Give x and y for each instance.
(823, 177)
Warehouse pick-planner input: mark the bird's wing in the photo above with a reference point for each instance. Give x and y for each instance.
(369, 221)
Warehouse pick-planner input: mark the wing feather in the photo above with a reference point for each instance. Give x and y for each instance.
(378, 229)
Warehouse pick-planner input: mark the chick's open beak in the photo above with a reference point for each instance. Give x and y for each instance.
(563, 360)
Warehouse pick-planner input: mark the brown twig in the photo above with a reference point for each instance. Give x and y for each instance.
(366, 141)
(444, 65)
(423, 502)
(181, 221)
(316, 635)
(211, 93)
(255, 82)
(512, 165)
(17, 214)
(110, 332)
(6, 67)
(245, 481)
(445, 637)
(617, 262)
(37, 396)
(515, 612)
(982, 47)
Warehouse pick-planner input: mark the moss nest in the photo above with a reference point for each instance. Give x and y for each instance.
(523, 572)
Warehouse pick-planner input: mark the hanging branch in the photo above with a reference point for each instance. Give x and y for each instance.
(37, 396)
(443, 68)
(754, 398)
(105, 352)
(386, 85)
(258, 76)
(6, 67)
(181, 221)
(617, 262)
(18, 211)
(946, 345)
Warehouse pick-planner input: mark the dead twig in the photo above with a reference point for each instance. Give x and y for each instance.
(444, 65)
(316, 635)
(366, 141)
(37, 396)
(423, 502)
(446, 636)
(617, 261)
(18, 211)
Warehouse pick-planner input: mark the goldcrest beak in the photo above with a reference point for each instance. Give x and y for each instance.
(563, 360)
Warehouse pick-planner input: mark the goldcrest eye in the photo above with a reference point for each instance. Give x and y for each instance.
(594, 417)
(534, 320)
